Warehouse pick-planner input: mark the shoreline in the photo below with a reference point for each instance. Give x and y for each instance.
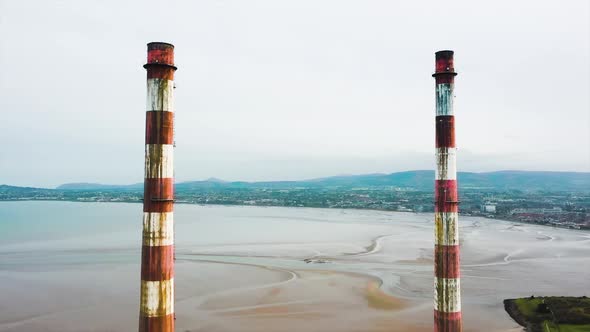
(514, 313)
(298, 207)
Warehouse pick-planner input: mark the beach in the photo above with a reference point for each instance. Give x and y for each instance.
(68, 266)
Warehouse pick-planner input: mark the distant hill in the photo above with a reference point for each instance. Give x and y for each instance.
(97, 186)
(418, 180)
(525, 180)
(6, 188)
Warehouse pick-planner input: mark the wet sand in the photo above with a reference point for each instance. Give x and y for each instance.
(305, 300)
(274, 269)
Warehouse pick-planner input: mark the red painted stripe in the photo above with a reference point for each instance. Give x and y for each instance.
(159, 127)
(445, 131)
(160, 324)
(160, 72)
(157, 263)
(447, 321)
(158, 195)
(446, 261)
(444, 67)
(444, 61)
(445, 196)
(160, 53)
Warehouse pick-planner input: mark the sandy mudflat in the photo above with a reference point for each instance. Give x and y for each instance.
(227, 297)
(75, 267)
(302, 300)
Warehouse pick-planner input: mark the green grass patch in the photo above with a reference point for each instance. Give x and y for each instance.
(551, 314)
(574, 328)
(527, 306)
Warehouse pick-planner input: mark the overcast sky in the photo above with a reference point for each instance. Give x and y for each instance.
(270, 90)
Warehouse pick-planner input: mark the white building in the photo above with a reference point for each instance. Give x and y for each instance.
(488, 208)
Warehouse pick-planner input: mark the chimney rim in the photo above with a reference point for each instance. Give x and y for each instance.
(157, 43)
(441, 52)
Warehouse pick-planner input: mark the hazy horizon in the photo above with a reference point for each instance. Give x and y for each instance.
(271, 90)
(277, 180)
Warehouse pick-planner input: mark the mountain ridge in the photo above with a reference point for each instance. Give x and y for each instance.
(416, 179)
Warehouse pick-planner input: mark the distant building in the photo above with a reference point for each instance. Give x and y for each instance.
(402, 208)
(488, 208)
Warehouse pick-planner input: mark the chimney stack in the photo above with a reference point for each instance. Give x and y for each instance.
(447, 290)
(156, 311)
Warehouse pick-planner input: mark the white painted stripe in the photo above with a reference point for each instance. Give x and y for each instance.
(160, 95)
(446, 228)
(444, 99)
(159, 161)
(449, 291)
(157, 298)
(446, 164)
(158, 229)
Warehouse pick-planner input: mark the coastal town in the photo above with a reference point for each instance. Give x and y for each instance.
(558, 209)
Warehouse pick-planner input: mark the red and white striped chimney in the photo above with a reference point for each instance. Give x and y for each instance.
(156, 310)
(447, 290)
